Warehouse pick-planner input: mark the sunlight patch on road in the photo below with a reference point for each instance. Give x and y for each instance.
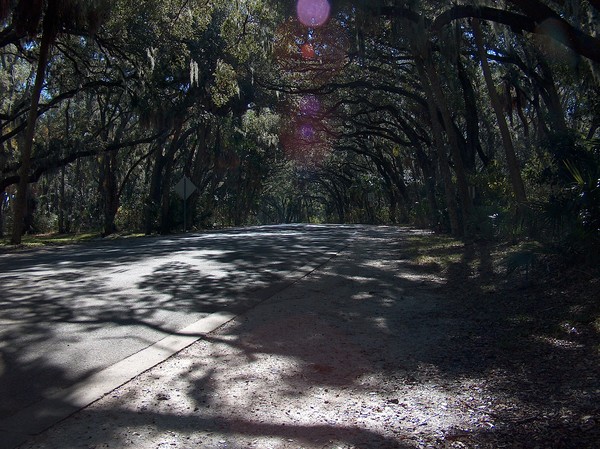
(557, 342)
(252, 234)
(425, 278)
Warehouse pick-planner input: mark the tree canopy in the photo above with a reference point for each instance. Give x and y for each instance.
(477, 118)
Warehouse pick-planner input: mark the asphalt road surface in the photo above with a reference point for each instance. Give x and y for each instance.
(69, 312)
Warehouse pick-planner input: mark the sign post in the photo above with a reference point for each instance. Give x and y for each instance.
(184, 188)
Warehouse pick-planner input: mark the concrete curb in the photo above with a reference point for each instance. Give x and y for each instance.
(58, 406)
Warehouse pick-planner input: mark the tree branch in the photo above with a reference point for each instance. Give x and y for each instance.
(539, 19)
(47, 165)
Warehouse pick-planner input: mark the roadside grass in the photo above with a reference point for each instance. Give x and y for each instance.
(537, 288)
(434, 252)
(441, 253)
(38, 240)
(55, 239)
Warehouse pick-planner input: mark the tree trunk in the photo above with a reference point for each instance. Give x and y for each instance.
(153, 200)
(438, 140)
(393, 218)
(109, 187)
(459, 168)
(62, 203)
(2, 200)
(109, 191)
(20, 209)
(511, 158)
(551, 97)
(165, 201)
(197, 165)
(427, 167)
(472, 146)
(429, 178)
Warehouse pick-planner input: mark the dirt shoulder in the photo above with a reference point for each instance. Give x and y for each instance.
(383, 347)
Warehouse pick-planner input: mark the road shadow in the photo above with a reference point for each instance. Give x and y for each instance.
(66, 300)
(534, 340)
(406, 356)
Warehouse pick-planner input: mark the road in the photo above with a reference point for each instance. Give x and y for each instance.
(69, 313)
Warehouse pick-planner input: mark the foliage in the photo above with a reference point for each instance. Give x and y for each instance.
(381, 114)
(225, 85)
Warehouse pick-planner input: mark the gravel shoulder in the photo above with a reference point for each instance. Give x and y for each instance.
(371, 350)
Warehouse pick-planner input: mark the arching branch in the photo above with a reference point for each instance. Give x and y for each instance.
(538, 19)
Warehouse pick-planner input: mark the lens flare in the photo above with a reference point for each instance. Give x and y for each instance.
(307, 132)
(319, 53)
(308, 52)
(313, 13)
(310, 106)
(304, 141)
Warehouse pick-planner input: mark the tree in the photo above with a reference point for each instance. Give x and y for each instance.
(382, 113)
(55, 16)
(513, 164)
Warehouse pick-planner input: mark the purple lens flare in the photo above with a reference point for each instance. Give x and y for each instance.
(313, 13)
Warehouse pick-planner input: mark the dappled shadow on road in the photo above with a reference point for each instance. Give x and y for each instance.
(75, 301)
(371, 351)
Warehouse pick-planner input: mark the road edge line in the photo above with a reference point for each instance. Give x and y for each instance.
(60, 405)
